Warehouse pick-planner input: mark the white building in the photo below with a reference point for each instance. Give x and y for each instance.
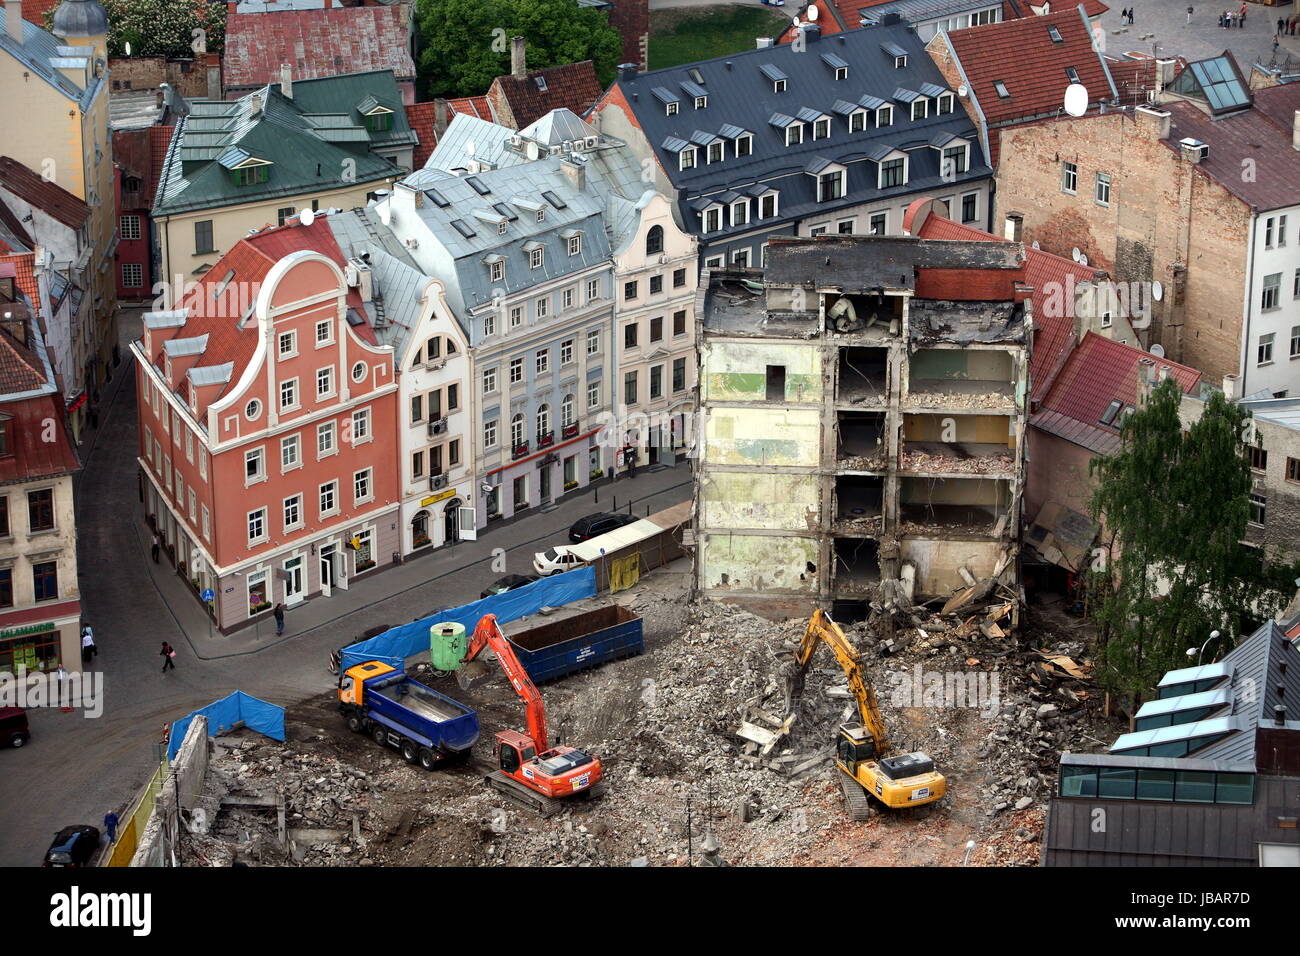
(1271, 349)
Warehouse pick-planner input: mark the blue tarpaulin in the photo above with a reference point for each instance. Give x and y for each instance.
(223, 714)
(394, 646)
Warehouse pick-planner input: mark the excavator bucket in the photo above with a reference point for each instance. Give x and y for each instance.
(474, 674)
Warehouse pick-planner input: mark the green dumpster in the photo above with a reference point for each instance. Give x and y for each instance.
(447, 646)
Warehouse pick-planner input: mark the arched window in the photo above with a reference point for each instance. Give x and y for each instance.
(420, 529)
(654, 241)
(543, 421)
(566, 411)
(516, 431)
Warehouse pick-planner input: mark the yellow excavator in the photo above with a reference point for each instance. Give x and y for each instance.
(862, 749)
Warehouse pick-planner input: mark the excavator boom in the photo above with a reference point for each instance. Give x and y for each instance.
(822, 628)
(488, 634)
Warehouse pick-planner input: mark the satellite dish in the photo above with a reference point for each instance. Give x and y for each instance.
(1076, 99)
(1158, 350)
(812, 13)
(1034, 243)
(1075, 254)
(127, 47)
(1157, 291)
(1083, 260)
(963, 91)
(307, 217)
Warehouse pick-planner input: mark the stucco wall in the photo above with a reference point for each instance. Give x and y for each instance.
(757, 563)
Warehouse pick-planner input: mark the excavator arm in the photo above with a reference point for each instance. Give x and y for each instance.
(822, 628)
(488, 634)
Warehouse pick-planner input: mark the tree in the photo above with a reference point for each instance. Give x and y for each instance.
(1176, 505)
(162, 27)
(465, 44)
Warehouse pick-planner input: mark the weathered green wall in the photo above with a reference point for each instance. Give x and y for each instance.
(981, 364)
(737, 372)
(762, 436)
(760, 500)
(757, 562)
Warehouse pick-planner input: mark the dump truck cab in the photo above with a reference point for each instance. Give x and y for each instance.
(352, 682)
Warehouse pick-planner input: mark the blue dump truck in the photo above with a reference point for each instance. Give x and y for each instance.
(577, 642)
(427, 727)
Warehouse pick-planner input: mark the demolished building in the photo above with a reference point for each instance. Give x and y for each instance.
(864, 403)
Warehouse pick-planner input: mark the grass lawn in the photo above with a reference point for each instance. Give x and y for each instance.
(685, 35)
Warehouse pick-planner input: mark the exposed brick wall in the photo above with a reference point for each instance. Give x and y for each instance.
(1163, 212)
(150, 72)
(943, 59)
(1057, 471)
(632, 19)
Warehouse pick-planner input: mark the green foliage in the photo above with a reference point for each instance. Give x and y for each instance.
(1177, 506)
(161, 27)
(465, 44)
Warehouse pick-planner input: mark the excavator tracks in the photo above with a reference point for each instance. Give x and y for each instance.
(856, 800)
(521, 795)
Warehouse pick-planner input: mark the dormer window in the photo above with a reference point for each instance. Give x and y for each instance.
(701, 102)
(830, 185)
(744, 145)
(713, 219)
(900, 62)
(893, 170)
(686, 158)
(541, 215)
(740, 212)
(715, 151)
(575, 244)
(822, 128)
(884, 116)
(670, 109)
(945, 104)
(920, 108)
(794, 134)
(956, 159)
(767, 205)
(841, 73)
(857, 121)
(379, 120)
(535, 258)
(778, 86)
(501, 228)
(252, 174)
(496, 271)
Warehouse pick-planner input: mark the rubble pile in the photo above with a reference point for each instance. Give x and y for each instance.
(973, 465)
(942, 399)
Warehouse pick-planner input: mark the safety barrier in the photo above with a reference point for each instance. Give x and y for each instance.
(131, 825)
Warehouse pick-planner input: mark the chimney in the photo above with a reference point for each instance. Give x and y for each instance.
(255, 105)
(1155, 120)
(166, 96)
(1146, 378)
(1015, 226)
(1295, 130)
(14, 19)
(1279, 715)
(1230, 387)
(575, 173)
(440, 117)
(518, 58)
(286, 80)
(1164, 73)
(627, 71)
(811, 32)
(1193, 150)
(1165, 372)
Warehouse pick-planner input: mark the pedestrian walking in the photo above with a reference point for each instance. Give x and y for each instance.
(157, 546)
(110, 826)
(1229, 17)
(1189, 15)
(169, 657)
(279, 619)
(1281, 25)
(88, 648)
(1223, 18)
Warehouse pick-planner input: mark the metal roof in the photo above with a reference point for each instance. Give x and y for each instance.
(1188, 675)
(1218, 697)
(1213, 727)
(615, 540)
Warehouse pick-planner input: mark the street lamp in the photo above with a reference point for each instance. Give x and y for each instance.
(1193, 652)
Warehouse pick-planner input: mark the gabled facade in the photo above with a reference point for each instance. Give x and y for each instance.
(524, 96)
(831, 136)
(266, 443)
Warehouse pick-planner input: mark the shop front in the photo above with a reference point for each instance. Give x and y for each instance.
(44, 646)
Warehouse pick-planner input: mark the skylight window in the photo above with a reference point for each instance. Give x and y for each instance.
(477, 185)
(695, 75)
(541, 83)
(1002, 90)
(1072, 73)
(464, 228)
(554, 200)
(1112, 412)
(438, 198)
(1055, 34)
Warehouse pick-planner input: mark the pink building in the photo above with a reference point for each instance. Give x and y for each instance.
(267, 456)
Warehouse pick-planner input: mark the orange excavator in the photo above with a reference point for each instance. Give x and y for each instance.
(530, 771)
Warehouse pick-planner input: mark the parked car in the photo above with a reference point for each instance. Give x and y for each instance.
(336, 657)
(598, 524)
(508, 583)
(555, 561)
(72, 846)
(13, 727)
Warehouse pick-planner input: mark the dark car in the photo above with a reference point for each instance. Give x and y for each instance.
(72, 846)
(508, 583)
(594, 525)
(13, 727)
(336, 657)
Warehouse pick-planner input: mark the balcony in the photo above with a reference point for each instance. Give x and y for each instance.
(570, 431)
(520, 451)
(546, 440)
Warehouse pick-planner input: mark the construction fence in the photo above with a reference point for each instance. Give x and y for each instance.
(132, 824)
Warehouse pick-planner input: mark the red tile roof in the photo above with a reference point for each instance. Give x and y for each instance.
(24, 265)
(1259, 138)
(837, 15)
(160, 138)
(424, 116)
(315, 44)
(570, 86)
(1022, 56)
(33, 456)
(34, 11)
(45, 195)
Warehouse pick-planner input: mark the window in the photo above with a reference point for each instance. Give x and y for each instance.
(893, 173)
(329, 498)
(417, 409)
(285, 214)
(1264, 354)
(7, 587)
(1272, 287)
(954, 160)
(40, 510)
(516, 316)
(629, 388)
(189, 446)
(258, 598)
(496, 269)
(180, 489)
(629, 290)
(845, 227)
(1103, 189)
(567, 411)
(970, 207)
(128, 227)
(593, 289)
(1281, 230)
(132, 275)
(1072, 73)
(817, 231)
(1002, 90)
(257, 526)
(920, 108)
(516, 431)
(325, 382)
(203, 237)
(945, 104)
(767, 206)
(714, 152)
(489, 381)
(593, 394)
(1069, 178)
(535, 258)
(1258, 458)
(775, 383)
(288, 344)
(543, 361)
(252, 175)
(740, 213)
(203, 464)
(1295, 341)
(654, 241)
(822, 128)
(679, 374)
(686, 158)
(325, 439)
(362, 490)
(900, 62)
(743, 145)
(541, 215)
(360, 426)
(778, 86)
(841, 73)
(290, 453)
(575, 245)
(701, 102)
(794, 134)
(1293, 469)
(289, 394)
(657, 329)
(670, 109)
(490, 434)
(593, 341)
(884, 116)
(877, 224)
(542, 308)
(254, 465)
(45, 581)
(1258, 505)
(453, 452)
(740, 258)
(857, 121)
(324, 333)
(656, 382)
(4, 516)
(679, 322)
(516, 371)
(629, 335)
(453, 397)
(713, 219)
(543, 422)
(207, 522)
(293, 512)
(830, 186)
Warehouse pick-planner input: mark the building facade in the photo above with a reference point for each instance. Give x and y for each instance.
(266, 410)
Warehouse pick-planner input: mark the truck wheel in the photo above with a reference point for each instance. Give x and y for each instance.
(428, 759)
(409, 751)
(354, 724)
(379, 733)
